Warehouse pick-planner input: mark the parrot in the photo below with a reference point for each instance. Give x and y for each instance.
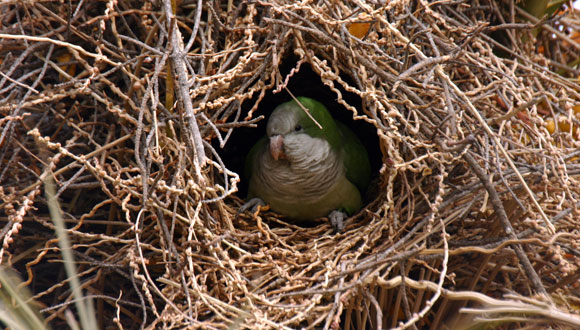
(308, 165)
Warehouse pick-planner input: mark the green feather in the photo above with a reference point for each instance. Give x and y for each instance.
(356, 159)
(251, 158)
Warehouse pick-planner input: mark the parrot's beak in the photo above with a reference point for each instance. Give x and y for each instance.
(277, 147)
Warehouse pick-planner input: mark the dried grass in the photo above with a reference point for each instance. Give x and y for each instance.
(477, 201)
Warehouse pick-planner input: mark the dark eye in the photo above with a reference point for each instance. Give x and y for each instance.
(298, 128)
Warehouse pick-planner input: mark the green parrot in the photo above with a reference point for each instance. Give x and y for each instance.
(306, 172)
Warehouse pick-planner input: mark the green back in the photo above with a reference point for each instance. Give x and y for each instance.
(356, 159)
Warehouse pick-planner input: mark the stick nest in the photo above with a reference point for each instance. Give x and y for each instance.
(126, 106)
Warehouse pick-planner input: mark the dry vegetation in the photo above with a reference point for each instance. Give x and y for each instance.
(127, 105)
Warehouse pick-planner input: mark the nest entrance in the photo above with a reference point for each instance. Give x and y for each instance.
(303, 82)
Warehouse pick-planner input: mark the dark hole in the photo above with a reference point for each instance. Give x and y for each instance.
(304, 83)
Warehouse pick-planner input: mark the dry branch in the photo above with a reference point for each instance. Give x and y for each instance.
(476, 109)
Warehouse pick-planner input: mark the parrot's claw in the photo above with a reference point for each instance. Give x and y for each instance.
(253, 205)
(337, 219)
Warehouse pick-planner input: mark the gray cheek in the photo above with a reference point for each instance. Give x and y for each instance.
(295, 144)
(304, 148)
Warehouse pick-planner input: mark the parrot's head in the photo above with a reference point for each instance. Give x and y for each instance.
(294, 136)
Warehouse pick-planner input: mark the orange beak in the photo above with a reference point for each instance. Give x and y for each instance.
(277, 147)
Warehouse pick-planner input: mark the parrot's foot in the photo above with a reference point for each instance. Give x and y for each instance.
(254, 205)
(337, 219)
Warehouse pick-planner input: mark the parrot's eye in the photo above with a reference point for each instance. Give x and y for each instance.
(298, 128)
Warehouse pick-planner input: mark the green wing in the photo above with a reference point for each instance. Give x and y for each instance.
(251, 159)
(356, 159)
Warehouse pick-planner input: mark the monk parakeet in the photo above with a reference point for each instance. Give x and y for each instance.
(305, 172)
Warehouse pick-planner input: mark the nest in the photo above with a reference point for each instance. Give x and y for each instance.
(128, 106)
